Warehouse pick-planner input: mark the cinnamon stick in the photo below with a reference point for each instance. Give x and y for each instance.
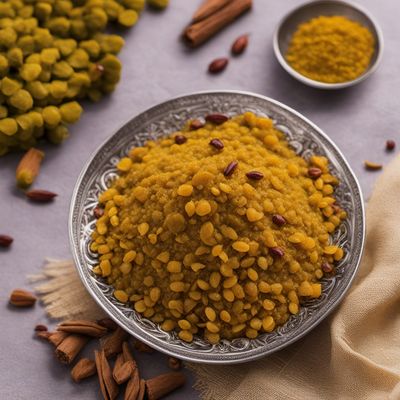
(208, 8)
(202, 30)
(53, 337)
(69, 348)
(161, 385)
(123, 372)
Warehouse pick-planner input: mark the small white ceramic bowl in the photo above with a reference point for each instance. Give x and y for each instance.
(309, 10)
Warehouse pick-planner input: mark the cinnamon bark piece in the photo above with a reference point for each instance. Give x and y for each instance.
(161, 385)
(207, 8)
(69, 348)
(112, 344)
(123, 370)
(108, 386)
(83, 369)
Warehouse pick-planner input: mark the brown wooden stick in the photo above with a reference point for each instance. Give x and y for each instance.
(207, 8)
(69, 348)
(199, 32)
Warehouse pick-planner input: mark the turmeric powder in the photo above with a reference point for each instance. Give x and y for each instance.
(331, 49)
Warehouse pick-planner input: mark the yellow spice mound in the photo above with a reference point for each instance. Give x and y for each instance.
(331, 49)
(219, 231)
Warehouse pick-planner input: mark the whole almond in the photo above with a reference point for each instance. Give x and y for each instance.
(218, 65)
(40, 196)
(5, 240)
(240, 45)
(22, 298)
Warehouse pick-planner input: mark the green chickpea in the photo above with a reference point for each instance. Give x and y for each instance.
(78, 59)
(9, 86)
(128, 18)
(57, 135)
(8, 126)
(43, 10)
(26, 44)
(3, 65)
(160, 4)
(70, 112)
(15, 57)
(24, 121)
(112, 8)
(62, 70)
(49, 56)
(3, 112)
(8, 37)
(30, 72)
(51, 116)
(136, 5)
(59, 26)
(92, 47)
(21, 100)
(65, 46)
(96, 20)
(58, 89)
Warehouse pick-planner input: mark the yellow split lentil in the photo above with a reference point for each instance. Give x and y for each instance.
(331, 49)
(211, 254)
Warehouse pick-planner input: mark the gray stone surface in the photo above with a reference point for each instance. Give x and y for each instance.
(156, 67)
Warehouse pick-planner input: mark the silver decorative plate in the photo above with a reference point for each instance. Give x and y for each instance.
(166, 118)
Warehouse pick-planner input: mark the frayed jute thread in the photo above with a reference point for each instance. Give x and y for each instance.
(62, 293)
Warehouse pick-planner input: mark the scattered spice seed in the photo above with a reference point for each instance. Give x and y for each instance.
(41, 328)
(5, 240)
(22, 298)
(196, 124)
(228, 171)
(217, 144)
(314, 173)
(218, 65)
(390, 145)
(240, 45)
(371, 166)
(278, 220)
(276, 252)
(174, 363)
(29, 167)
(180, 139)
(98, 212)
(255, 175)
(326, 267)
(40, 196)
(217, 119)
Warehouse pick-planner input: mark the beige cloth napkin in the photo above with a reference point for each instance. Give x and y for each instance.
(355, 354)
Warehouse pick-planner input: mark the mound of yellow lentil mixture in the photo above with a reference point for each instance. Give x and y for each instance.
(219, 230)
(331, 49)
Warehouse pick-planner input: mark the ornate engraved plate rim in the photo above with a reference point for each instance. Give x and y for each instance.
(164, 118)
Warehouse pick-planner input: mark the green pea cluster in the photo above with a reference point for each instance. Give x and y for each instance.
(53, 53)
